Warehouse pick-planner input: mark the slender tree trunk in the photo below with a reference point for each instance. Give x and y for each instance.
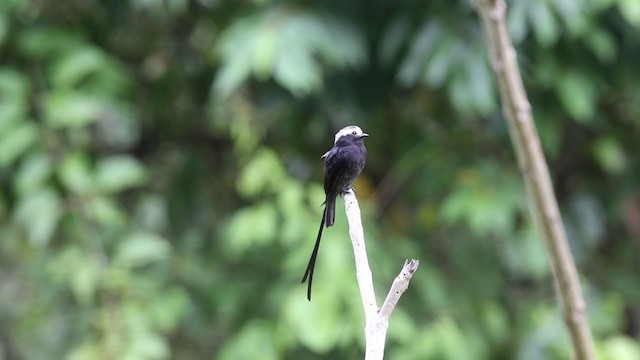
(542, 200)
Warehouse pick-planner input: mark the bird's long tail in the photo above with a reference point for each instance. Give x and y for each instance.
(314, 255)
(330, 209)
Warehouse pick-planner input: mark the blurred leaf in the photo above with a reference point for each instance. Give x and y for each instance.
(602, 44)
(620, 348)
(324, 315)
(440, 64)
(423, 46)
(630, 10)
(16, 141)
(106, 212)
(471, 90)
(75, 173)
(546, 335)
(264, 173)
(299, 72)
(152, 213)
(495, 321)
(289, 44)
(486, 201)
(590, 219)
(524, 255)
(72, 109)
(573, 14)
(117, 173)
(446, 337)
(610, 155)
(39, 214)
(80, 272)
(84, 280)
(38, 42)
(251, 228)
(14, 93)
(76, 66)
(142, 248)
(611, 314)
(578, 95)
(543, 22)
(162, 8)
(255, 341)
(395, 35)
(4, 28)
(516, 20)
(550, 133)
(143, 340)
(291, 199)
(168, 310)
(33, 173)
(14, 87)
(403, 327)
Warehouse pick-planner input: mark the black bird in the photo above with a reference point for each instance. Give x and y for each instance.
(342, 165)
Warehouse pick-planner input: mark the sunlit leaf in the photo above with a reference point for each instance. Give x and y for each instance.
(630, 10)
(620, 348)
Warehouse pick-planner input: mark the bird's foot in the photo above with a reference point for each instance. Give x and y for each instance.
(347, 190)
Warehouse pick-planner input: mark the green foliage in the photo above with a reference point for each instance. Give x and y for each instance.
(160, 177)
(289, 44)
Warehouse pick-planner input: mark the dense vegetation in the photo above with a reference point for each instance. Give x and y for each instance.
(160, 178)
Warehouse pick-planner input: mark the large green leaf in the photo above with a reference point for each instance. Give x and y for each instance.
(290, 45)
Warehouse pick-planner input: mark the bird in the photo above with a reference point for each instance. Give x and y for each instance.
(343, 163)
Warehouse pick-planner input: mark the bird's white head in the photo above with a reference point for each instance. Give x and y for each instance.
(350, 130)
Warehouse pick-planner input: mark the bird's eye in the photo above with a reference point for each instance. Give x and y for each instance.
(354, 133)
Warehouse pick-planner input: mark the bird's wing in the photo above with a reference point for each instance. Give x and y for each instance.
(334, 164)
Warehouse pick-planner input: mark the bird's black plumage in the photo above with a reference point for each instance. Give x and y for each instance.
(342, 165)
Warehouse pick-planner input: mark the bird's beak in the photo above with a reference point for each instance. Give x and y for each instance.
(364, 135)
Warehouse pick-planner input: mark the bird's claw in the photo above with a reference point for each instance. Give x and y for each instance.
(346, 191)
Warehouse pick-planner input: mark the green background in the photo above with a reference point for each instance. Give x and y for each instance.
(160, 177)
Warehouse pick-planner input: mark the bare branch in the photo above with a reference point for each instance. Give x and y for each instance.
(399, 286)
(363, 271)
(376, 323)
